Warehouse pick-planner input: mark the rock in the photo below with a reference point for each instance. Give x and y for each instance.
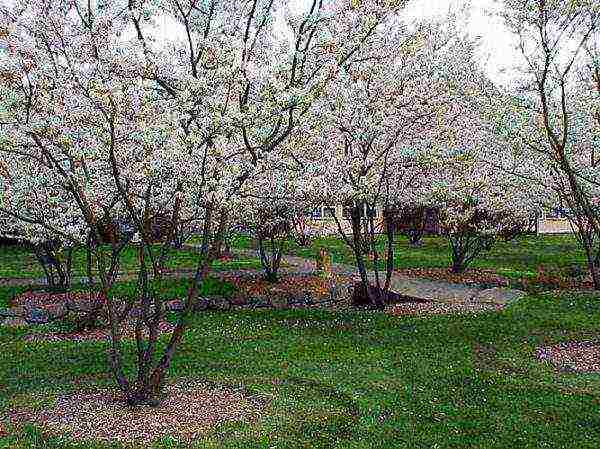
(238, 301)
(221, 303)
(137, 312)
(498, 295)
(259, 302)
(37, 316)
(55, 310)
(302, 300)
(8, 313)
(175, 305)
(341, 292)
(83, 306)
(202, 303)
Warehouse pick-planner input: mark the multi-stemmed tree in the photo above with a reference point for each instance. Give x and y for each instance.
(385, 129)
(105, 117)
(544, 128)
(478, 205)
(271, 204)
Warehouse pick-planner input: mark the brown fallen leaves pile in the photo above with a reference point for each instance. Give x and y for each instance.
(287, 284)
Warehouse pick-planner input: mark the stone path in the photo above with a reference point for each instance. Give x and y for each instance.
(438, 291)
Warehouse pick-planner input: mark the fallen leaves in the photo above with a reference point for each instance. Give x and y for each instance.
(437, 308)
(313, 285)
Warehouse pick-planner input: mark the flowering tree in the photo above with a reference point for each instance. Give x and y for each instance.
(270, 226)
(545, 130)
(478, 205)
(102, 118)
(385, 130)
(272, 203)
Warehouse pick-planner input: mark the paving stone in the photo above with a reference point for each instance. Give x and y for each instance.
(174, 306)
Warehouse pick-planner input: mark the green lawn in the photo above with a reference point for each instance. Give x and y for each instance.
(19, 262)
(519, 257)
(355, 380)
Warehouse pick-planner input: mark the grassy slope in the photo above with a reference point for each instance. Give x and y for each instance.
(18, 262)
(358, 380)
(524, 254)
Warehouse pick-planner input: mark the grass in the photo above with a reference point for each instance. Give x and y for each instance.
(20, 262)
(354, 380)
(514, 259)
(517, 258)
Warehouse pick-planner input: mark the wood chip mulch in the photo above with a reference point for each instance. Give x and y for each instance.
(188, 410)
(287, 284)
(437, 308)
(572, 356)
(48, 299)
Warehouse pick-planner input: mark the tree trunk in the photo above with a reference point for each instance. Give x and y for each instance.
(415, 239)
(459, 255)
(219, 240)
(56, 271)
(270, 260)
(592, 262)
(156, 381)
(358, 246)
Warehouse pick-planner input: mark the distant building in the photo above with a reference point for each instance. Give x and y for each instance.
(321, 220)
(553, 221)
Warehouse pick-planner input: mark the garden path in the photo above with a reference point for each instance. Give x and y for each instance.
(437, 291)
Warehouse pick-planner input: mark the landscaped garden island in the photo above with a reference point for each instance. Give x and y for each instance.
(299, 224)
(285, 360)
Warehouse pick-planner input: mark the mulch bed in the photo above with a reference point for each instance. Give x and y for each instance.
(572, 356)
(188, 411)
(471, 276)
(50, 301)
(288, 285)
(54, 303)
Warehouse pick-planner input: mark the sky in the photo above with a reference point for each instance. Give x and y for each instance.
(497, 44)
(496, 51)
